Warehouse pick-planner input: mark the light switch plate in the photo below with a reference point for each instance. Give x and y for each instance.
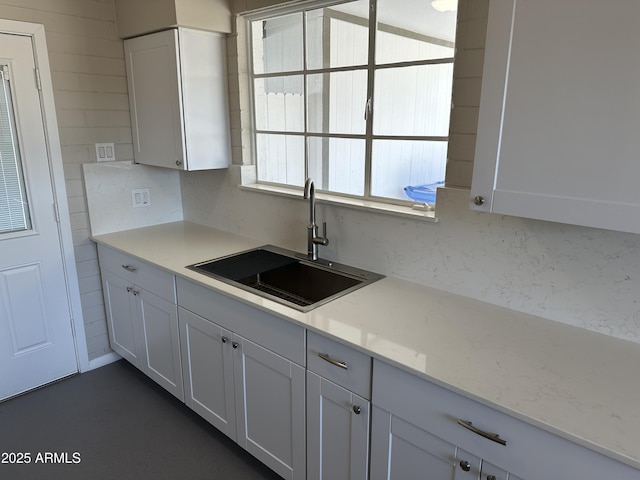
(105, 152)
(140, 197)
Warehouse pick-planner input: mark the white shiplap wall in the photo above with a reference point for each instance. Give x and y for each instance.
(90, 91)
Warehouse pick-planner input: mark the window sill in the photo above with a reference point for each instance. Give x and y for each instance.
(366, 205)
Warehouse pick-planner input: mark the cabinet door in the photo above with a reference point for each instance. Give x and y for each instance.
(270, 405)
(400, 450)
(155, 99)
(559, 113)
(204, 99)
(122, 320)
(207, 364)
(159, 320)
(337, 432)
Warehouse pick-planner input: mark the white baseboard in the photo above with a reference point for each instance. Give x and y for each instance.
(105, 359)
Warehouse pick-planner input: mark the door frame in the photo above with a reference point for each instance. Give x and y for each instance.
(56, 173)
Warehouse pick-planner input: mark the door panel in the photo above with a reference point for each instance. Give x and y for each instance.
(124, 330)
(337, 437)
(270, 401)
(36, 338)
(24, 284)
(161, 340)
(207, 366)
(401, 450)
(152, 73)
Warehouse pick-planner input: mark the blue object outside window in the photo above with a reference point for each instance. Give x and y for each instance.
(423, 193)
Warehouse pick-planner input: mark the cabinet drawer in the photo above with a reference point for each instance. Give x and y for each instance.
(529, 453)
(340, 364)
(134, 270)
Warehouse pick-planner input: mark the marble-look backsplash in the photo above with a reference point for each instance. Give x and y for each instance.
(580, 276)
(108, 186)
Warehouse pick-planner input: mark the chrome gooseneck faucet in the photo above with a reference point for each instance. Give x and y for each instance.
(313, 240)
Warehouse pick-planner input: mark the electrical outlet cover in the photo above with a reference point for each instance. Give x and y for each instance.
(105, 152)
(140, 197)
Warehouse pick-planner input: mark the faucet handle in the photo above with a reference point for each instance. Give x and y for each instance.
(325, 240)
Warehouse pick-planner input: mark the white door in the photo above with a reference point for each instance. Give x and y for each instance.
(36, 338)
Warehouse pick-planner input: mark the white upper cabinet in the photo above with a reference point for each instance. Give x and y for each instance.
(178, 99)
(559, 123)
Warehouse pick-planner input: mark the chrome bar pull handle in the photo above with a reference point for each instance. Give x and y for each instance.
(129, 268)
(494, 437)
(337, 363)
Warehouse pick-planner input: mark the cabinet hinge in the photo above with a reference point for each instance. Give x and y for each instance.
(38, 81)
(56, 212)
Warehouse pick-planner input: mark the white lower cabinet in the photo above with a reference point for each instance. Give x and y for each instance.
(416, 432)
(338, 410)
(254, 393)
(142, 317)
(207, 363)
(124, 329)
(337, 431)
(161, 348)
(270, 409)
(401, 450)
(251, 394)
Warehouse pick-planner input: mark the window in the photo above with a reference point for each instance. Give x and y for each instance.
(357, 98)
(14, 208)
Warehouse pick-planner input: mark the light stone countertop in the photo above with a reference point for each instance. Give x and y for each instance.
(581, 385)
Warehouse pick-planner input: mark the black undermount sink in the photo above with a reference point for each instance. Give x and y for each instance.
(286, 277)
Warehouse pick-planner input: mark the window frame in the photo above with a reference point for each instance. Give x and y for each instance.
(371, 68)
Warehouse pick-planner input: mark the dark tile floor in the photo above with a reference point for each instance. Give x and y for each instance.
(115, 423)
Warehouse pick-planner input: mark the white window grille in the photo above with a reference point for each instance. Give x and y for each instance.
(355, 95)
